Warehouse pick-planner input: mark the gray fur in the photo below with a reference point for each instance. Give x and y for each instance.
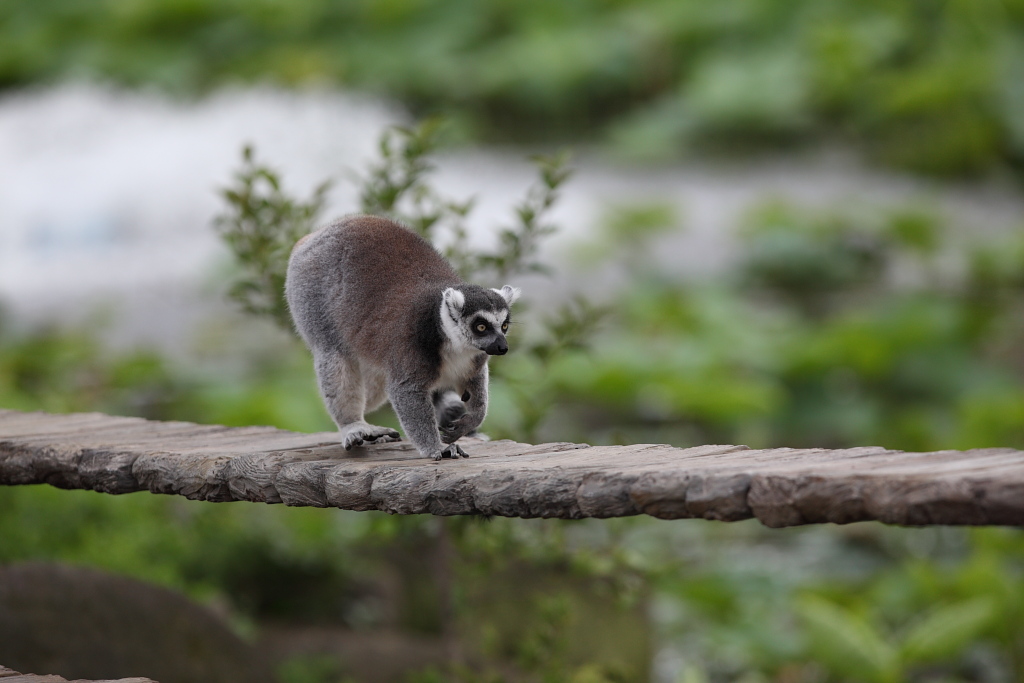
(387, 318)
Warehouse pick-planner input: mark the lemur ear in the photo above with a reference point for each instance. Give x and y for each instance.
(509, 294)
(454, 300)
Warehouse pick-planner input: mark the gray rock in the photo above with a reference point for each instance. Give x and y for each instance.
(83, 623)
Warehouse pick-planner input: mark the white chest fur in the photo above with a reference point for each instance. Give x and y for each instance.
(457, 366)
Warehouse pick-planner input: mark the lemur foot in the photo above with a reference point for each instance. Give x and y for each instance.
(453, 451)
(358, 433)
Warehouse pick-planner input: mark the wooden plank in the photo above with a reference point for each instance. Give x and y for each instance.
(11, 676)
(780, 487)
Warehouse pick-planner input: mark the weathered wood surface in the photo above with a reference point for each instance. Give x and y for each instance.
(11, 676)
(780, 487)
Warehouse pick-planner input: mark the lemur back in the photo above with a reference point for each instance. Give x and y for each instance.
(384, 314)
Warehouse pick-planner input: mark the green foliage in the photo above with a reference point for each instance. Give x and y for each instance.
(66, 370)
(401, 175)
(837, 328)
(625, 233)
(266, 562)
(261, 227)
(518, 245)
(809, 259)
(945, 631)
(846, 643)
(261, 223)
(397, 186)
(934, 87)
(312, 669)
(903, 614)
(543, 638)
(524, 390)
(851, 647)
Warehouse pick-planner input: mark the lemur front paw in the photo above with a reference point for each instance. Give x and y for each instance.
(359, 434)
(453, 451)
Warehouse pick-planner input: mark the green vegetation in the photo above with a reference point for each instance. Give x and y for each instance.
(835, 328)
(260, 225)
(261, 233)
(842, 327)
(554, 601)
(936, 87)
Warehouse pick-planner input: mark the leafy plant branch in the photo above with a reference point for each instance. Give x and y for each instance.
(261, 225)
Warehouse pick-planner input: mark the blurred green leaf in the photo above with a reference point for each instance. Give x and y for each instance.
(848, 644)
(945, 631)
(260, 226)
(933, 88)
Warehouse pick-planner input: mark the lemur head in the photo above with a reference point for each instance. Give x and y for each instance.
(477, 318)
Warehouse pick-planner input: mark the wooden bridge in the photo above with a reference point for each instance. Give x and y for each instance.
(12, 676)
(780, 487)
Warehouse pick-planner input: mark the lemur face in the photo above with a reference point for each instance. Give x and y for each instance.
(487, 329)
(477, 318)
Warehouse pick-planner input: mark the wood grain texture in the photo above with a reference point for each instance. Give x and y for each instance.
(11, 676)
(781, 487)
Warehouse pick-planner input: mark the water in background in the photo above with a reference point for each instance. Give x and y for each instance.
(107, 197)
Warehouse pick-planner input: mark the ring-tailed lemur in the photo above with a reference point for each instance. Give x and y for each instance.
(387, 318)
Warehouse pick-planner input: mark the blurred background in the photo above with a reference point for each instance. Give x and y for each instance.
(780, 224)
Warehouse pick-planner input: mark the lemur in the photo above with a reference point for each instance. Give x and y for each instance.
(387, 318)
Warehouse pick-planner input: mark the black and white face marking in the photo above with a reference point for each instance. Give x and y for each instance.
(452, 303)
(480, 325)
(489, 330)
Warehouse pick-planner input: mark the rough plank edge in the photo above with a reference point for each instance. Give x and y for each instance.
(12, 676)
(780, 487)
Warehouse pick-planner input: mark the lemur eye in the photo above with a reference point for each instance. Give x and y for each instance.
(504, 327)
(481, 328)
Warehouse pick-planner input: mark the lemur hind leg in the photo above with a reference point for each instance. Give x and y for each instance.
(344, 394)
